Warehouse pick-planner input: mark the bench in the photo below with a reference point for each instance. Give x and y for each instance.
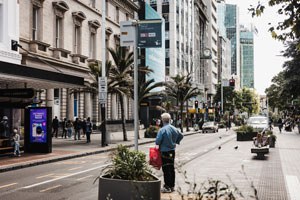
(260, 151)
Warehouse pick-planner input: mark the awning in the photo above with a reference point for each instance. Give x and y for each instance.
(20, 76)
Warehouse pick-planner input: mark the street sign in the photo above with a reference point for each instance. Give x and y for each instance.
(102, 84)
(150, 34)
(17, 93)
(102, 90)
(128, 35)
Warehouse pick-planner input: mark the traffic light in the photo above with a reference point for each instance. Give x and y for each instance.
(196, 104)
(232, 82)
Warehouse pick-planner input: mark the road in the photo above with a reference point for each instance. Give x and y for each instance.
(202, 156)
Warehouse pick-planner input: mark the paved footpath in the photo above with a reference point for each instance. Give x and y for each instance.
(282, 163)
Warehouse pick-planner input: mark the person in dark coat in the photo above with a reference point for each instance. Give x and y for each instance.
(55, 125)
(64, 126)
(89, 129)
(77, 127)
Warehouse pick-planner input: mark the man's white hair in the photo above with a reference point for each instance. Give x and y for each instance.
(166, 117)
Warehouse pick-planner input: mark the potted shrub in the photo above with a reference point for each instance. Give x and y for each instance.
(128, 177)
(245, 133)
(151, 132)
(272, 139)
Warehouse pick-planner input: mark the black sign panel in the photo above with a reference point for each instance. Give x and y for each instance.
(17, 93)
(149, 34)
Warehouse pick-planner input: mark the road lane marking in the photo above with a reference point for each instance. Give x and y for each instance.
(97, 163)
(50, 188)
(44, 176)
(8, 185)
(84, 177)
(293, 186)
(62, 177)
(74, 168)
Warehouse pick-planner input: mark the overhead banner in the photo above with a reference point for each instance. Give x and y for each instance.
(155, 57)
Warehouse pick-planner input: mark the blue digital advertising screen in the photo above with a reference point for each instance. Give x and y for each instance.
(38, 125)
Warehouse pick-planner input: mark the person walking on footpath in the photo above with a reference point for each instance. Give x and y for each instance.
(77, 128)
(280, 124)
(64, 127)
(69, 128)
(17, 138)
(83, 126)
(167, 138)
(89, 129)
(55, 125)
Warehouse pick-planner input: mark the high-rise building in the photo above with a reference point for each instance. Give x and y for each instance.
(224, 45)
(233, 34)
(247, 58)
(211, 80)
(199, 65)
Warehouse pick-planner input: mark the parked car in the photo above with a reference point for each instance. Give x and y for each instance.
(258, 122)
(209, 126)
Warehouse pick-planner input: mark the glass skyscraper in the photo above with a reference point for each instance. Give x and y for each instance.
(247, 58)
(233, 34)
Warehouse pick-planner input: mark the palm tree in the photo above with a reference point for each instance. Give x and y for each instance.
(120, 78)
(181, 89)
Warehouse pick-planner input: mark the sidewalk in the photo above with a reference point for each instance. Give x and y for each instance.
(63, 149)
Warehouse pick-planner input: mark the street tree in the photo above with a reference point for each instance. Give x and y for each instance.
(288, 27)
(180, 89)
(121, 79)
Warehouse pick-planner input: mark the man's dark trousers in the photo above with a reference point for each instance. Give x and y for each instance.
(168, 159)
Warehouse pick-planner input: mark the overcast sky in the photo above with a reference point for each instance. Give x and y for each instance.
(267, 63)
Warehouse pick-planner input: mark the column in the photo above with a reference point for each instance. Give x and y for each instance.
(87, 105)
(50, 100)
(114, 106)
(70, 105)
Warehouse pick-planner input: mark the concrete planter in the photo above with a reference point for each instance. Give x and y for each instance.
(245, 136)
(118, 189)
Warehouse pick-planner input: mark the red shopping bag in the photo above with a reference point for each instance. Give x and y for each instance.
(155, 158)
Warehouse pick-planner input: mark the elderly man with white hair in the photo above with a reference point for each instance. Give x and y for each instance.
(166, 139)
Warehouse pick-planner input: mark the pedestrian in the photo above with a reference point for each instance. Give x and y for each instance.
(64, 126)
(83, 126)
(228, 124)
(280, 124)
(4, 127)
(89, 129)
(167, 138)
(16, 139)
(77, 128)
(69, 128)
(55, 125)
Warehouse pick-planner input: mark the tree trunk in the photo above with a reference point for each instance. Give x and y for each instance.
(123, 118)
(181, 115)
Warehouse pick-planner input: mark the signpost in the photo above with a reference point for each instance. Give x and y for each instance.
(147, 34)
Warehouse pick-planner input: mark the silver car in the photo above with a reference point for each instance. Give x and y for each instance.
(258, 122)
(209, 126)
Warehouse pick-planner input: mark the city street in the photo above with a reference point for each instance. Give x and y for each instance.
(212, 155)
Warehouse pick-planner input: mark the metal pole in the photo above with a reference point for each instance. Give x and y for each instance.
(103, 73)
(136, 115)
(222, 97)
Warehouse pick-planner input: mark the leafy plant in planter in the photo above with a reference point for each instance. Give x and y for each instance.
(151, 132)
(272, 138)
(245, 133)
(128, 177)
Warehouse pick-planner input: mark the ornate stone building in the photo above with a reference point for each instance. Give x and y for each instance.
(65, 37)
